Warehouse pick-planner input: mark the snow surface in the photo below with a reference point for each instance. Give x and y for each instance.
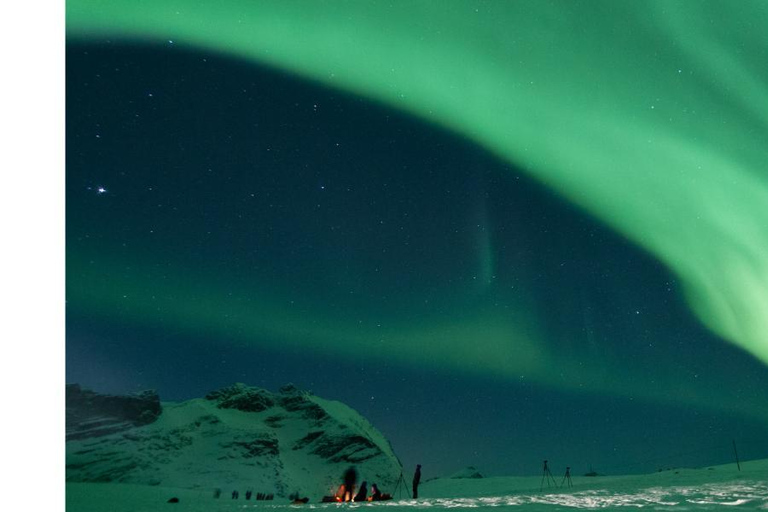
(683, 489)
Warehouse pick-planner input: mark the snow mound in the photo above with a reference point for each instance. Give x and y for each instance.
(467, 472)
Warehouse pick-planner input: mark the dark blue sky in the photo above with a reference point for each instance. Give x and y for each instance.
(232, 188)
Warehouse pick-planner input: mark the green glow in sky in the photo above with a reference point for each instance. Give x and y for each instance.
(476, 341)
(652, 116)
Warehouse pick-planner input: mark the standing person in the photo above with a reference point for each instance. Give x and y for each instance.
(350, 479)
(416, 480)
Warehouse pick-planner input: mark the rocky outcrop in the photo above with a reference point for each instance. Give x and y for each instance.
(90, 414)
(241, 397)
(248, 399)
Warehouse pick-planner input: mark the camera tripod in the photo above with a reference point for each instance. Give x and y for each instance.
(400, 487)
(547, 474)
(567, 478)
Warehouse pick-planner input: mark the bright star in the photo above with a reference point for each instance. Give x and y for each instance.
(101, 190)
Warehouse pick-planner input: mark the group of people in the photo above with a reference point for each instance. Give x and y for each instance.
(248, 494)
(346, 491)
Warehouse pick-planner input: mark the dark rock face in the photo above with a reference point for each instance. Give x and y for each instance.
(248, 399)
(300, 403)
(304, 441)
(353, 449)
(90, 414)
(251, 447)
(242, 397)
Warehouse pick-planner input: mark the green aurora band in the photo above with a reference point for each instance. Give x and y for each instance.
(650, 115)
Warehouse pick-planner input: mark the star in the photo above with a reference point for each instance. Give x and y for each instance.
(101, 190)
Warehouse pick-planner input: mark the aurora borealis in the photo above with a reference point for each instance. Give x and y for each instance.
(569, 198)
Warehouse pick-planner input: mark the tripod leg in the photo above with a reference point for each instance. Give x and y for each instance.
(403, 488)
(549, 476)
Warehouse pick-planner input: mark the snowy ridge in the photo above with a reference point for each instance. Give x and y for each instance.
(242, 438)
(92, 414)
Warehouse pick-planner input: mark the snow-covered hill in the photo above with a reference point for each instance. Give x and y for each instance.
(235, 438)
(467, 472)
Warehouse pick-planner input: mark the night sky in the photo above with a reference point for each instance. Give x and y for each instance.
(231, 222)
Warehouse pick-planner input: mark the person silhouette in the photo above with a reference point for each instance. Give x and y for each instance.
(362, 494)
(416, 480)
(375, 493)
(350, 479)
